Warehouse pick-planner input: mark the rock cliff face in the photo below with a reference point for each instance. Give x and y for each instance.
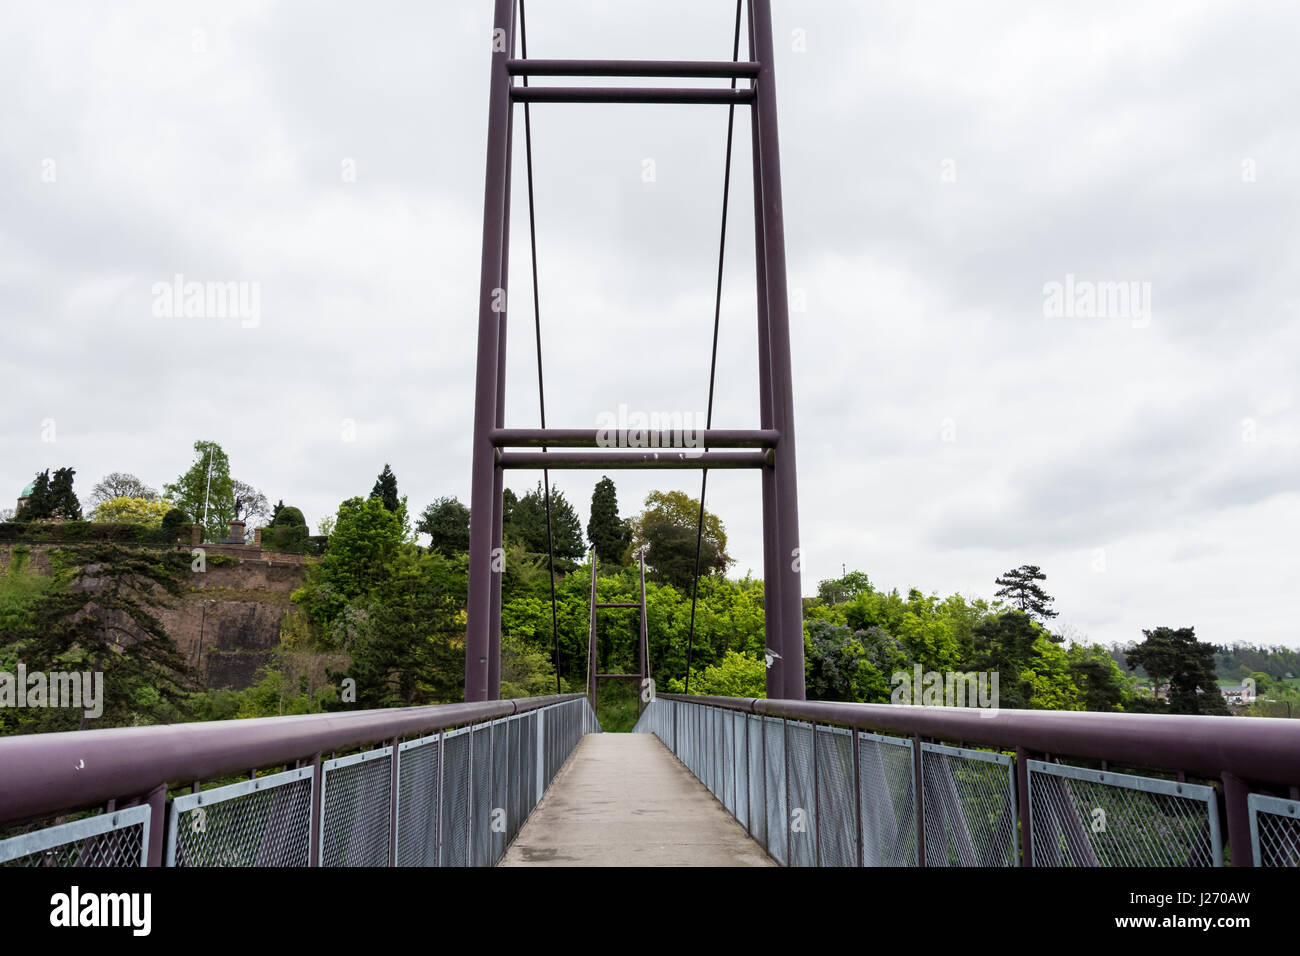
(227, 623)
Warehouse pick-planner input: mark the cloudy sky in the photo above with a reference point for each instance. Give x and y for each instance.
(944, 164)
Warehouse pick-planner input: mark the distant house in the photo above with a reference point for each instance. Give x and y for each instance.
(1243, 693)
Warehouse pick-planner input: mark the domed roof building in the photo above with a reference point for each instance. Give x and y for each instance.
(26, 493)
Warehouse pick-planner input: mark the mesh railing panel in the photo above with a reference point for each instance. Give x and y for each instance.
(480, 814)
(262, 822)
(969, 802)
(1081, 817)
(453, 814)
(727, 725)
(518, 775)
(529, 747)
(1274, 830)
(757, 781)
(498, 821)
(117, 838)
(837, 841)
(740, 761)
(887, 798)
(417, 802)
(357, 805)
(777, 820)
(801, 784)
(452, 799)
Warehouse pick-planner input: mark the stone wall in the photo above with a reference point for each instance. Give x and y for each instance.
(227, 622)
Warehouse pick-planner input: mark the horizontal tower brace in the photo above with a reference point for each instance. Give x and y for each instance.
(648, 459)
(691, 68)
(628, 94)
(632, 438)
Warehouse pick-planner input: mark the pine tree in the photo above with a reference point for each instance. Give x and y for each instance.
(527, 526)
(386, 489)
(1019, 588)
(51, 498)
(608, 533)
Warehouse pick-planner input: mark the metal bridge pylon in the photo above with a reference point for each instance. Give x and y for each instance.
(770, 449)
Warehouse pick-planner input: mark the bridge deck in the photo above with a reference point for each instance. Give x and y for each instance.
(625, 800)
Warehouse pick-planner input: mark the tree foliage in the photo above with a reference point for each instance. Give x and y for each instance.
(1020, 587)
(385, 489)
(446, 522)
(124, 510)
(99, 613)
(206, 482)
(1175, 659)
(609, 534)
(668, 529)
(527, 526)
(51, 498)
(120, 484)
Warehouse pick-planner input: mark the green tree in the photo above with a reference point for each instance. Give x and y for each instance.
(526, 668)
(842, 589)
(528, 526)
(608, 533)
(288, 516)
(120, 484)
(405, 637)
(132, 511)
(1017, 647)
(1019, 586)
(358, 561)
(206, 490)
(62, 499)
(844, 664)
(1174, 656)
(446, 522)
(100, 614)
(385, 489)
(668, 527)
(735, 675)
(51, 497)
(175, 521)
(1101, 683)
(287, 531)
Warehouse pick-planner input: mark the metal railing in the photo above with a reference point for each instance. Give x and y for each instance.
(820, 783)
(448, 785)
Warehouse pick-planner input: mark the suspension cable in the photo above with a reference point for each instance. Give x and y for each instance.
(537, 325)
(713, 361)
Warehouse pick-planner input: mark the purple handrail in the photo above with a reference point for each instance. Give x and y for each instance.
(42, 774)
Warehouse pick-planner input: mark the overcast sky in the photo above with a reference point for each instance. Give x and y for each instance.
(943, 165)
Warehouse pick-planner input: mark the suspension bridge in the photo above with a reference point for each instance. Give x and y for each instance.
(702, 780)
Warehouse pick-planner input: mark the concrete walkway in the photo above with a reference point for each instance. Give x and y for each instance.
(625, 800)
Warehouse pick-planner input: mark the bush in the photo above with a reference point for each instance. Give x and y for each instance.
(290, 516)
(289, 538)
(67, 532)
(174, 522)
